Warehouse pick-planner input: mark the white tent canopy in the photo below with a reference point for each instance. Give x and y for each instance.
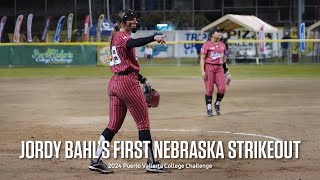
(312, 27)
(230, 22)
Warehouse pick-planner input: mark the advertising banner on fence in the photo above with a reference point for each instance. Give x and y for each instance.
(172, 50)
(29, 26)
(54, 55)
(188, 50)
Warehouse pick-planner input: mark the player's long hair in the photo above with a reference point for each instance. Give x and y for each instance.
(119, 25)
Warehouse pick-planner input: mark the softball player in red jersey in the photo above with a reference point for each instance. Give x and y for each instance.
(214, 70)
(124, 90)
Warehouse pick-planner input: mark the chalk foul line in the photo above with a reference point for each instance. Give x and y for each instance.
(214, 131)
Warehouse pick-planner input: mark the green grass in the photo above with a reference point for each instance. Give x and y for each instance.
(54, 72)
(168, 61)
(237, 71)
(275, 71)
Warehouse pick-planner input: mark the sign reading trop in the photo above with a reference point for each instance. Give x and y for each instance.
(175, 50)
(188, 50)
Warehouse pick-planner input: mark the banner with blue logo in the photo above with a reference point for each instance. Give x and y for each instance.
(58, 30)
(302, 37)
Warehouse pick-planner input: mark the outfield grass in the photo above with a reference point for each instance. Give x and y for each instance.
(237, 71)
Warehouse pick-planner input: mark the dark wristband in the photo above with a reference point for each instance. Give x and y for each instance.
(141, 79)
(225, 69)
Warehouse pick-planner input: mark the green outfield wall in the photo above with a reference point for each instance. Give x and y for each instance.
(5, 56)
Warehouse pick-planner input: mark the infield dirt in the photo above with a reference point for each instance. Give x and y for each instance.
(77, 110)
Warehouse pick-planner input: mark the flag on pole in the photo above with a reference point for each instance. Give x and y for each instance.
(262, 45)
(69, 27)
(302, 37)
(46, 27)
(29, 26)
(99, 27)
(2, 24)
(86, 29)
(58, 30)
(16, 34)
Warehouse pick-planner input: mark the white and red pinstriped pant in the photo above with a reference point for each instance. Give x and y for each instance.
(126, 93)
(214, 75)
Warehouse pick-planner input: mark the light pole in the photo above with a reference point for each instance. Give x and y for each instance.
(299, 8)
(164, 11)
(192, 14)
(15, 8)
(108, 10)
(75, 13)
(46, 7)
(90, 14)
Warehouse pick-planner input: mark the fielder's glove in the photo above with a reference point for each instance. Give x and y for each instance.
(228, 78)
(152, 96)
(141, 79)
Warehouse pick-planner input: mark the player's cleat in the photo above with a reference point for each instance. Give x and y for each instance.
(217, 107)
(209, 113)
(99, 167)
(156, 167)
